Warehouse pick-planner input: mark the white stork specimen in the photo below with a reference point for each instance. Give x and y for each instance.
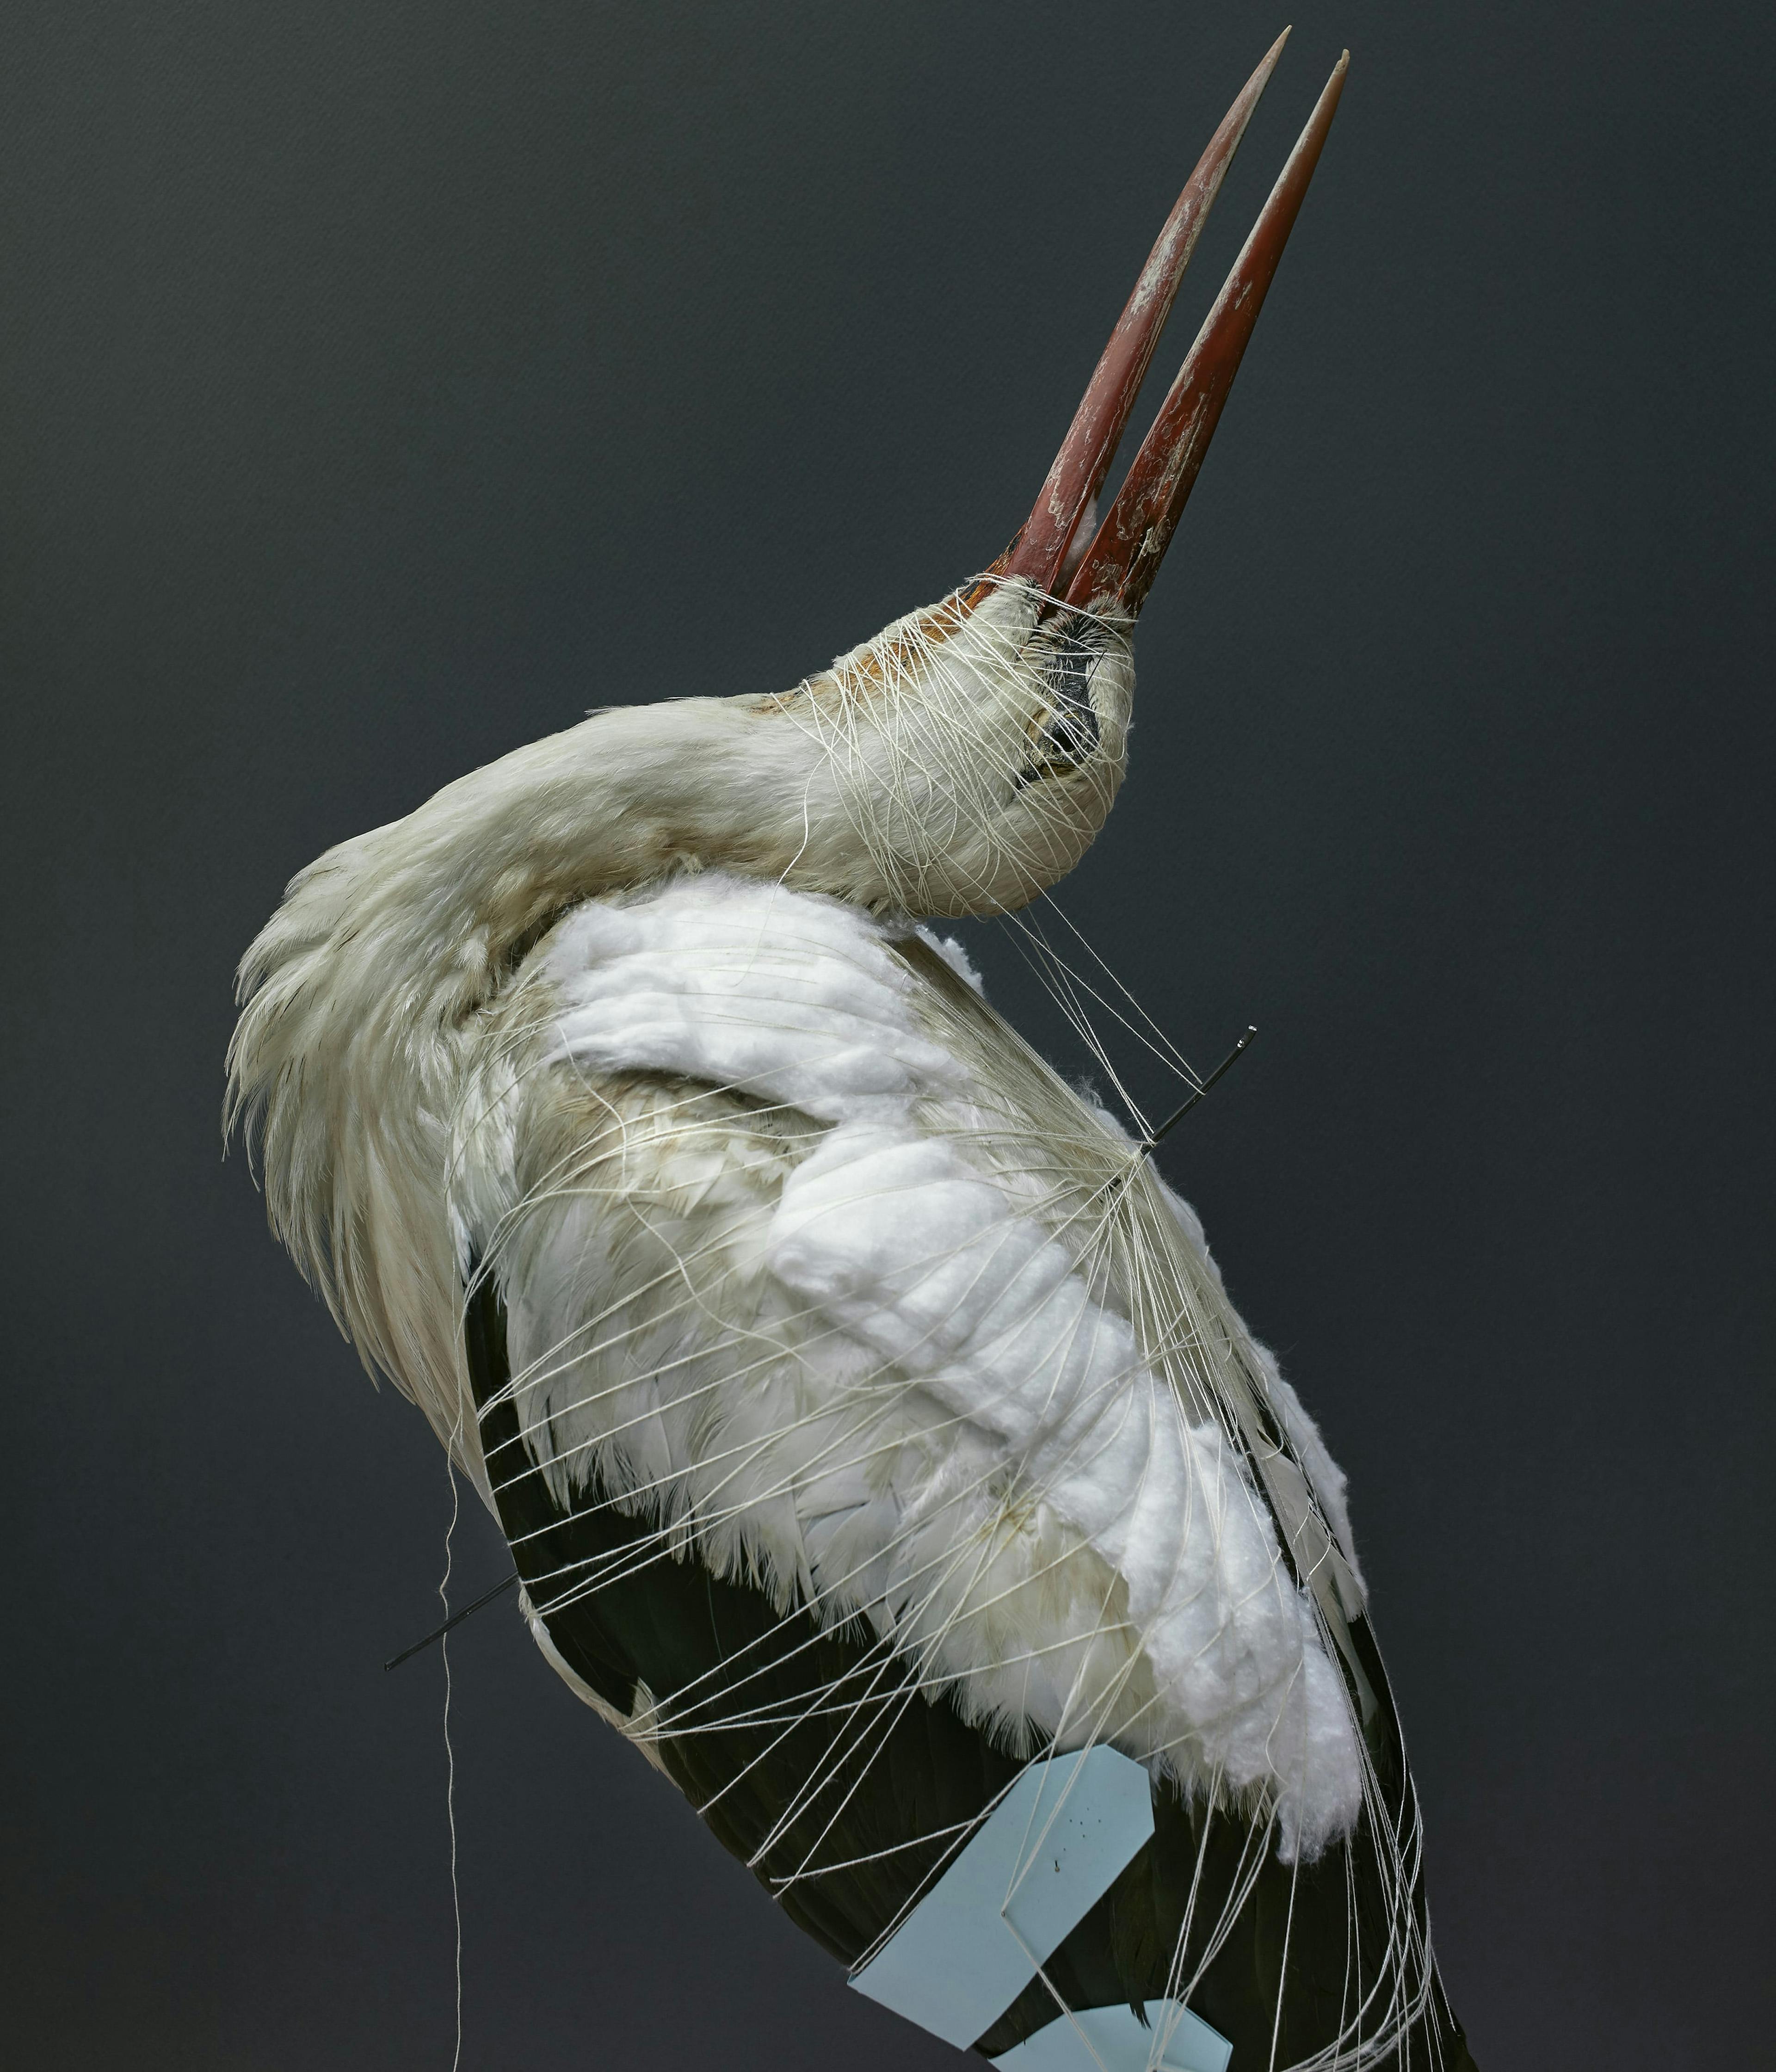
(868, 1420)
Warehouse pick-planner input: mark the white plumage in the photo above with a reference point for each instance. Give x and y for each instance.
(866, 1324)
(865, 1414)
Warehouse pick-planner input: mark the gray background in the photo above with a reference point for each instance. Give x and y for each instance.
(385, 384)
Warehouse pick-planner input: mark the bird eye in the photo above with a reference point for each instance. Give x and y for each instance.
(1065, 732)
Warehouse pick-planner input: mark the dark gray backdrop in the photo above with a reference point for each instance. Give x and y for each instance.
(384, 385)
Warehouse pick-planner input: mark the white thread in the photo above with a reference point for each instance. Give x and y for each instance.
(450, 1752)
(925, 735)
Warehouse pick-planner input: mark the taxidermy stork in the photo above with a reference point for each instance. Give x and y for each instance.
(876, 1444)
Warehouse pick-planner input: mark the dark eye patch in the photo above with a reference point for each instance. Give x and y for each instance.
(1068, 732)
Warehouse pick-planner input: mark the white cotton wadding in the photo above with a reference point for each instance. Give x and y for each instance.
(950, 1431)
(810, 1012)
(1326, 1478)
(953, 954)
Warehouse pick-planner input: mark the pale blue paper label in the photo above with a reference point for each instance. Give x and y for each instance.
(1111, 2040)
(1051, 1848)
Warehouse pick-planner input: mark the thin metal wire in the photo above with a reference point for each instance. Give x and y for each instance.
(1178, 1114)
(456, 1619)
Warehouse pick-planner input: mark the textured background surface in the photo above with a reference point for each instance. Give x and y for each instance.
(380, 385)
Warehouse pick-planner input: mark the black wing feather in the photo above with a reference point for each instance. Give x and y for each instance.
(884, 1798)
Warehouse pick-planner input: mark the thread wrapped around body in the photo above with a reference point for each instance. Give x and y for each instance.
(891, 1337)
(866, 1418)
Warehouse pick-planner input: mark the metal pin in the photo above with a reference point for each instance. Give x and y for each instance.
(1177, 1114)
(455, 1619)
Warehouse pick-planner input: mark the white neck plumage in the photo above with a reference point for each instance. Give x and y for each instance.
(960, 762)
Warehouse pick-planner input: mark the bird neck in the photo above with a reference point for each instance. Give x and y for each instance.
(914, 776)
(363, 995)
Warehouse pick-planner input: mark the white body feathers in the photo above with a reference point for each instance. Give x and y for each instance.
(803, 1251)
(784, 1271)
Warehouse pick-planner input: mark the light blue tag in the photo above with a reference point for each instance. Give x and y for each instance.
(1051, 1848)
(1111, 2040)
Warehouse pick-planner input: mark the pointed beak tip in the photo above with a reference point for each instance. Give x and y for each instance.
(1043, 550)
(1116, 568)
(1123, 559)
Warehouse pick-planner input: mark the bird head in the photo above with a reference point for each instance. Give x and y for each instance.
(962, 761)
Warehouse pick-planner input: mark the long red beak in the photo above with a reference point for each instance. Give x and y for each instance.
(1118, 568)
